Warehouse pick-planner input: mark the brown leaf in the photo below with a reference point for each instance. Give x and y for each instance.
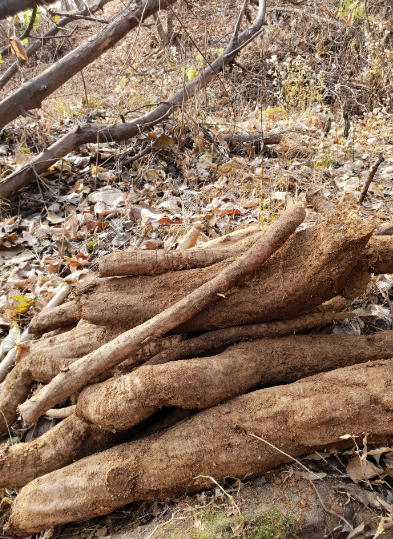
(163, 142)
(360, 470)
(18, 48)
(239, 529)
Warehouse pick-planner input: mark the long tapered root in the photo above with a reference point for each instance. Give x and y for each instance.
(122, 402)
(312, 267)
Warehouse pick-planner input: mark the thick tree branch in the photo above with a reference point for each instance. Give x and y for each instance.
(8, 8)
(31, 94)
(34, 47)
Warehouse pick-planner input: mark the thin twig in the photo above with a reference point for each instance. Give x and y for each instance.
(283, 453)
(77, 16)
(239, 21)
(330, 511)
(142, 153)
(230, 497)
(236, 63)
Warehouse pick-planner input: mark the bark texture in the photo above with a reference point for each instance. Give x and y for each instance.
(298, 418)
(32, 93)
(36, 45)
(122, 402)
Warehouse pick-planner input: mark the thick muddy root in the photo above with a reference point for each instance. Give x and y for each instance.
(127, 263)
(50, 355)
(311, 268)
(379, 254)
(15, 390)
(122, 402)
(70, 440)
(298, 418)
(251, 332)
(86, 369)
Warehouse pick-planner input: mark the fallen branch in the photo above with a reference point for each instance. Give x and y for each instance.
(122, 402)
(52, 32)
(31, 94)
(12, 7)
(83, 370)
(27, 98)
(252, 138)
(370, 177)
(298, 418)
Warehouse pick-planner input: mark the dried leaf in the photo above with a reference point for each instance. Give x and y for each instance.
(360, 470)
(239, 529)
(54, 218)
(167, 221)
(24, 304)
(163, 142)
(18, 48)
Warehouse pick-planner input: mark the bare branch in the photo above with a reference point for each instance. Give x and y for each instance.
(50, 34)
(122, 131)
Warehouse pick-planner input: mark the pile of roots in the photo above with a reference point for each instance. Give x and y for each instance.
(219, 328)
